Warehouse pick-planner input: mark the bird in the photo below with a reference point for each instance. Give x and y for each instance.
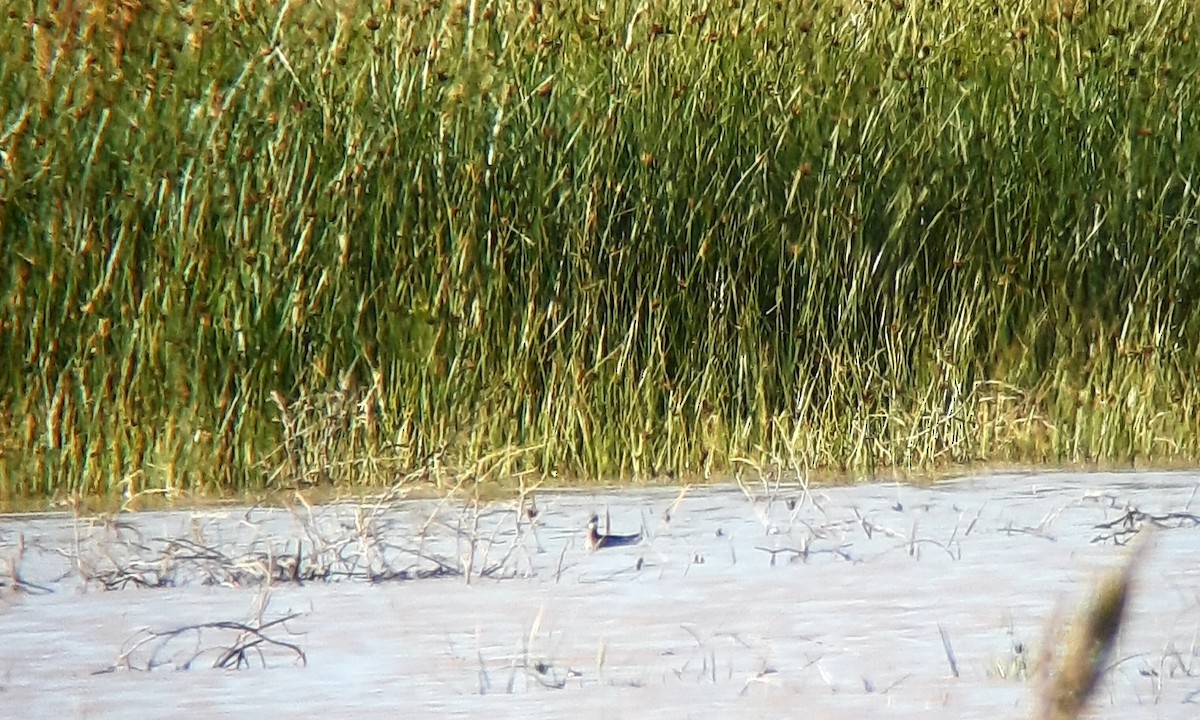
(596, 541)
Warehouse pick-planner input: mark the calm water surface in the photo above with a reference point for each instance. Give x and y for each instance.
(741, 602)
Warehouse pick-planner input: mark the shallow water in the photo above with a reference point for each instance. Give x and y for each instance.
(776, 602)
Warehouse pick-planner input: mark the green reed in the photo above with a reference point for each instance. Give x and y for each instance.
(277, 242)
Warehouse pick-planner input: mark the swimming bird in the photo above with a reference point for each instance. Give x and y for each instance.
(596, 541)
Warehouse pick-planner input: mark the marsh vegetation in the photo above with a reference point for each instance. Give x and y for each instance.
(276, 243)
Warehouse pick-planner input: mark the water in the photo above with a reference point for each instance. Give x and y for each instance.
(767, 603)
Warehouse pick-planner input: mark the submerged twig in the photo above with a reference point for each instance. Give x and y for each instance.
(252, 637)
(1131, 522)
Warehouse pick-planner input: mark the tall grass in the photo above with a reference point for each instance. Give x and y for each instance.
(1085, 648)
(609, 238)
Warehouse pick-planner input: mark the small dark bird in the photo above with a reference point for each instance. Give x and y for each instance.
(531, 510)
(596, 541)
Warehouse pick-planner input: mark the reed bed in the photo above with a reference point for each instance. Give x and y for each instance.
(263, 243)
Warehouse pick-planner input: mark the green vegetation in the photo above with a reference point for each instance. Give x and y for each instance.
(257, 243)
